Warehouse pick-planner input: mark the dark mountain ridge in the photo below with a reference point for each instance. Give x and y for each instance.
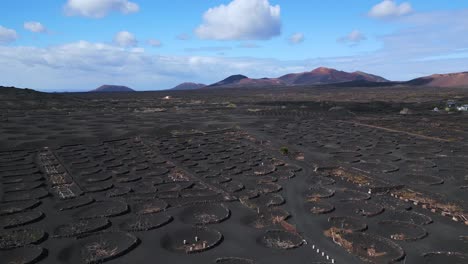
(112, 88)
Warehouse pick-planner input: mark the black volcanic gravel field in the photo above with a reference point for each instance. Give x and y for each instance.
(211, 177)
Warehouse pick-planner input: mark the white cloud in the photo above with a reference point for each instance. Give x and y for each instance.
(388, 8)
(296, 38)
(7, 35)
(241, 20)
(137, 50)
(99, 8)
(84, 65)
(353, 38)
(125, 39)
(154, 43)
(35, 27)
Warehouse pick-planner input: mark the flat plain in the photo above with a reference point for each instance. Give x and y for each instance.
(264, 175)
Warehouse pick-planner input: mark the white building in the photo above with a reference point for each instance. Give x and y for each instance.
(463, 108)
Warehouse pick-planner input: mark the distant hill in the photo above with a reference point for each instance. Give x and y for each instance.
(112, 88)
(459, 79)
(18, 93)
(231, 80)
(188, 86)
(370, 77)
(321, 76)
(324, 75)
(244, 81)
(318, 76)
(13, 89)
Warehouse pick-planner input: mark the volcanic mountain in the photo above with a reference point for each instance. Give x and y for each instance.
(112, 88)
(318, 76)
(231, 80)
(459, 79)
(324, 75)
(243, 81)
(189, 86)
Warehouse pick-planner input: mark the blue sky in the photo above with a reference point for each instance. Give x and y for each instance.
(77, 45)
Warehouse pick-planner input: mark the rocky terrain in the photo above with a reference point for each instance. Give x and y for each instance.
(273, 175)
